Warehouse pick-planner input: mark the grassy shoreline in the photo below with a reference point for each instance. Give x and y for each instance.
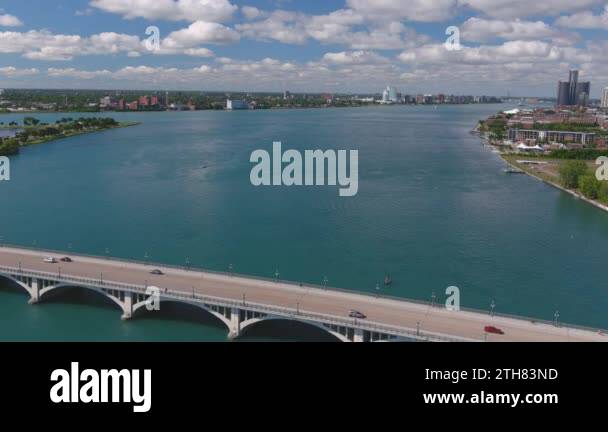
(78, 133)
(511, 160)
(15, 144)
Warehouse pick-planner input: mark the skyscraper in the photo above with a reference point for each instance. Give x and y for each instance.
(563, 93)
(573, 80)
(573, 92)
(605, 98)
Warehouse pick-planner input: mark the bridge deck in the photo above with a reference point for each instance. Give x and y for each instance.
(391, 312)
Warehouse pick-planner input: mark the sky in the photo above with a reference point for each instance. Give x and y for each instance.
(496, 47)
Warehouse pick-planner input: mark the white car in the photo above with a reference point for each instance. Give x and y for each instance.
(50, 260)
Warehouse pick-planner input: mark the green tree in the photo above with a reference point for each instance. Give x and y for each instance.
(570, 171)
(589, 186)
(602, 193)
(9, 146)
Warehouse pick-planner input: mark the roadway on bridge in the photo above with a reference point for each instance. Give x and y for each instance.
(316, 300)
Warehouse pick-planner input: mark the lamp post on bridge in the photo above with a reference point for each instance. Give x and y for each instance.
(244, 301)
(556, 319)
(187, 263)
(418, 328)
(377, 290)
(433, 299)
(1, 240)
(492, 306)
(146, 258)
(276, 275)
(231, 269)
(325, 280)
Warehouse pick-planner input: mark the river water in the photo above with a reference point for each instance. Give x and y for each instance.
(434, 210)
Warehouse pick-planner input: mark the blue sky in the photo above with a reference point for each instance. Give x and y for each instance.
(506, 46)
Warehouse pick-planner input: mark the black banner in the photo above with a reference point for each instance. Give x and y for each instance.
(385, 377)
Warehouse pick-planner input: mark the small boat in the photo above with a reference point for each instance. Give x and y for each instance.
(513, 171)
(387, 280)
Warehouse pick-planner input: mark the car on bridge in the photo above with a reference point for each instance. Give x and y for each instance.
(493, 330)
(50, 260)
(157, 272)
(356, 314)
(66, 260)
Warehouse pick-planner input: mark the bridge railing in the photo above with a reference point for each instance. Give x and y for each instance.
(286, 312)
(199, 269)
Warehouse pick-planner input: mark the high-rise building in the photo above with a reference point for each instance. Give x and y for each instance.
(573, 81)
(605, 98)
(563, 93)
(389, 95)
(573, 92)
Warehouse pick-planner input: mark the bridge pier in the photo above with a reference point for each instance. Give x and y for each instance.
(358, 337)
(127, 306)
(235, 323)
(34, 291)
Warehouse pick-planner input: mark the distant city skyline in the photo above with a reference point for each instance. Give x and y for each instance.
(335, 46)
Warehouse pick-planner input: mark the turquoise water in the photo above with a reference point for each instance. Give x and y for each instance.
(434, 209)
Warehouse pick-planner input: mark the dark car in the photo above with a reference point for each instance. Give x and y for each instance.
(494, 330)
(66, 259)
(356, 314)
(157, 272)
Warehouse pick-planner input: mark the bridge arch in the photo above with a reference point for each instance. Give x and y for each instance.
(248, 324)
(57, 287)
(16, 282)
(141, 307)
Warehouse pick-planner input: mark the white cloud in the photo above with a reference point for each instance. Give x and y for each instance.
(198, 33)
(585, 20)
(251, 12)
(46, 46)
(482, 30)
(75, 73)
(7, 20)
(172, 10)
(353, 57)
(343, 26)
(413, 10)
(508, 53)
(11, 71)
(525, 8)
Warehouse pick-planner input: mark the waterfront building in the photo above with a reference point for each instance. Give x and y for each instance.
(143, 101)
(605, 98)
(534, 135)
(563, 97)
(236, 105)
(389, 95)
(154, 101)
(573, 92)
(105, 102)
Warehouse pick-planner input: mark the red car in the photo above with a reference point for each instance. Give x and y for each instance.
(495, 330)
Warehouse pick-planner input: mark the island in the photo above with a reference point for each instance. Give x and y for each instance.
(33, 131)
(561, 147)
